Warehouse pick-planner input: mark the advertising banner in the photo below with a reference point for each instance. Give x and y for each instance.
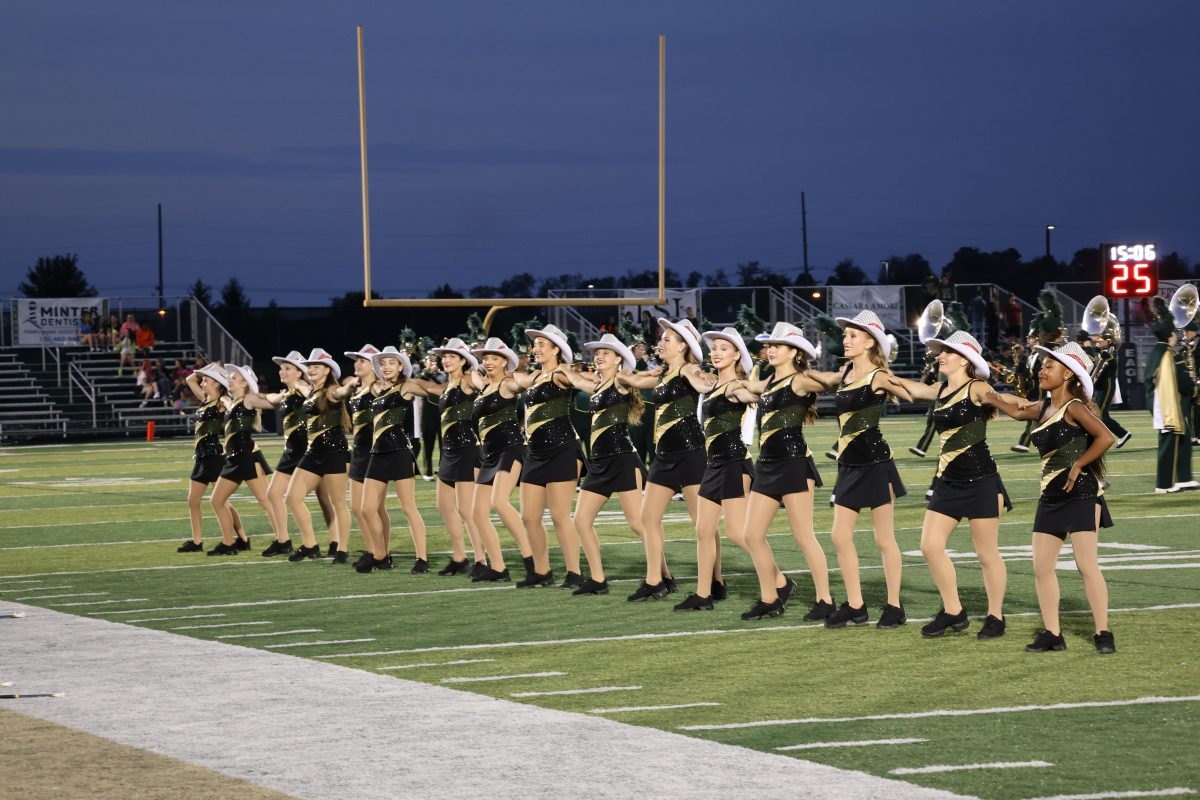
(886, 301)
(678, 302)
(52, 321)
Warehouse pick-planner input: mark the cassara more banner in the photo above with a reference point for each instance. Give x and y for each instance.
(885, 301)
(53, 321)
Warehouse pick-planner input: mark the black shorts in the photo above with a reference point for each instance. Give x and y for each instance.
(458, 465)
(726, 482)
(614, 474)
(867, 486)
(358, 464)
(558, 466)
(677, 470)
(242, 468)
(778, 478)
(206, 470)
(394, 466)
(490, 465)
(325, 463)
(973, 500)
(1062, 517)
(288, 461)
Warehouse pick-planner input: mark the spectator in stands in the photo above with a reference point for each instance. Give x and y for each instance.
(1012, 318)
(162, 385)
(127, 349)
(87, 330)
(689, 314)
(145, 339)
(129, 325)
(609, 326)
(993, 320)
(947, 291)
(649, 326)
(930, 286)
(977, 314)
(145, 381)
(114, 332)
(641, 355)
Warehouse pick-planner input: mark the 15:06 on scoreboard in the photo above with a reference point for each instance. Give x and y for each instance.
(1130, 270)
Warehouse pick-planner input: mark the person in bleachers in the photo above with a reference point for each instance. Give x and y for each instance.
(145, 339)
(87, 330)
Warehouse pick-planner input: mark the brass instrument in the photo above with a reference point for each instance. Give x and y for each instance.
(932, 320)
(1015, 375)
(1184, 306)
(1100, 322)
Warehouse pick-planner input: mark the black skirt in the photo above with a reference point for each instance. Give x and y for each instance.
(613, 475)
(785, 476)
(561, 465)
(241, 468)
(490, 466)
(206, 470)
(288, 461)
(726, 482)
(867, 486)
(458, 465)
(394, 466)
(973, 500)
(1062, 517)
(326, 464)
(677, 470)
(358, 464)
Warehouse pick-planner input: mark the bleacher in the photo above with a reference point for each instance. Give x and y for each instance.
(124, 410)
(26, 408)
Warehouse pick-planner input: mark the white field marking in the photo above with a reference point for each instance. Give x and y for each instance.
(960, 767)
(102, 602)
(859, 743)
(312, 501)
(172, 619)
(1069, 566)
(270, 633)
(88, 544)
(56, 596)
(215, 625)
(313, 599)
(11, 582)
(314, 644)
(679, 634)
(958, 712)
(439, 663)
(13, 469)
(596, 690)
(489, 678)
(266, 562)
(34, 588)
(625, 709)
(1172, 792)
(90, 483)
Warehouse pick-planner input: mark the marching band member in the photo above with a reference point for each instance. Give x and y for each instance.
(1169, 389)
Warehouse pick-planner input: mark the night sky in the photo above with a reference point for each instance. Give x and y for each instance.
(522, 136)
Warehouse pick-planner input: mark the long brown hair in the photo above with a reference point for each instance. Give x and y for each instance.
(637, 406)
(323, 400)
(800, 364)
(1075, 388)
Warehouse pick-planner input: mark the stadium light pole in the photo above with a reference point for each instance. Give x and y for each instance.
(1048, 229)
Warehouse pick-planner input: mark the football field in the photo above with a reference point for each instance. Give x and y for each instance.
(91, 530)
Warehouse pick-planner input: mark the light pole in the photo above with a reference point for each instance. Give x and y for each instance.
(887, 277)
(1048, 229)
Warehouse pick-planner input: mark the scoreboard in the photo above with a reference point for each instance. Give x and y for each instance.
(1129, 270)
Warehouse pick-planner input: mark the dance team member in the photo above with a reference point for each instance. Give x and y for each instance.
(244, 462)
(210, 386)
(967, 483)
(867, 474)
(359, 404)
(1072, 441)
(679, 458)
(785, 474)
(613, 466)
(324, 462)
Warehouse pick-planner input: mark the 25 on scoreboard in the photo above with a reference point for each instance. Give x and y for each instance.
(1130, 270)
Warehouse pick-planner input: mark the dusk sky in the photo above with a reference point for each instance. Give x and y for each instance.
(522, 136)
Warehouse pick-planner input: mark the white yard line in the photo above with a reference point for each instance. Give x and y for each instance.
(57, 596)
(1069, 566)
(290, 601)
(455, 662)
(490, 678)
(34, 589)
(673, 706)
(960, 712)
(961, 767)
(269, 633)
(594, 690)
(215, 625)
(262, 562)
(1176, 791)
(857, 743)
(172, 619)
(102, 602)
(315, 644)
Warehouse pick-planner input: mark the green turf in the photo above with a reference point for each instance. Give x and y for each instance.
(63, 508)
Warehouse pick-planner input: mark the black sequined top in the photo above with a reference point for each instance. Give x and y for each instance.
(781, 431)
(610, 422)
(457, 410)
(962, 428)
(295, 432)
(360, 420)
(859, 408)
(210, 422)
(496, 416)
(239, 430)
(389, 412)
(548, 416)
(325, 433)
(676, 427)
(723, 427)
(1060, 445)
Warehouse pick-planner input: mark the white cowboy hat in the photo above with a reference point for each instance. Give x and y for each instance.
(406, 367)
(459, 348)
(366, 351)
(320, 356)
(789, 334)
(216, 372)
(869, 322)
(495, 347)
(966, 346)
(1072, 356)
(685, 330)
(610, 342)
(557, 338)
(295, 358)
(732, 336)
(247, 375)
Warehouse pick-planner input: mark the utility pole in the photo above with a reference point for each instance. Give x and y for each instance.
(161, 307)
(804, 230)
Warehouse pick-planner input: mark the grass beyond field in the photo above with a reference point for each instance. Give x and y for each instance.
(92, 530)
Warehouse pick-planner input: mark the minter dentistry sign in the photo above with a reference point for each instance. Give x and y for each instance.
(53, 321)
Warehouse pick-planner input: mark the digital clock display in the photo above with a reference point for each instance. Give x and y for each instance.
(1130, 270)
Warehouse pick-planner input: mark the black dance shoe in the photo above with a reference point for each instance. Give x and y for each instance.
(941, 621)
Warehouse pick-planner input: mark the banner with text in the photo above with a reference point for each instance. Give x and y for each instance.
(886, 301)
(53, 321)
(677, 305)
